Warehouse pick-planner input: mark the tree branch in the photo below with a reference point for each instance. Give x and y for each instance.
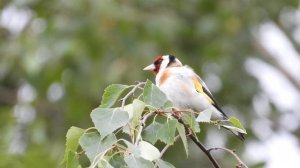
(241, 163)
(201, 146)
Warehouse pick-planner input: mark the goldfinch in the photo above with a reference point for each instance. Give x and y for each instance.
(183, 87)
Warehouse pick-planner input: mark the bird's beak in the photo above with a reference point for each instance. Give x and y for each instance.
(150, 67)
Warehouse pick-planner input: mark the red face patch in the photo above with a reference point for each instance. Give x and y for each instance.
(157, 62)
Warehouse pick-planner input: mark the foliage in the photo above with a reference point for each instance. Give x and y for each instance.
(135, 121)
(58, 56)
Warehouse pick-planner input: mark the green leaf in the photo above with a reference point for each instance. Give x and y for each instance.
(135, 111)
(118, 161)
(72, 140)
(166, 132)
(236, 123)
(107, 120)
(126, 129)
(111, 94)
(92, 145)
(137, 162)
(104, 164)
(154, 97)
(191, 121)
(204, 116)
(150, 132)
(73, 135)
(132, 148)
(163, 164)
(72, 161)
(148, 151)
(181, 131)
(235, 130)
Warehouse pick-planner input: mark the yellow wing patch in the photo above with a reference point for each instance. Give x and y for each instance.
(198, 86)
(199, 89)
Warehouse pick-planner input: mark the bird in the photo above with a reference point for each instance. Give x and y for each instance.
(184, 88)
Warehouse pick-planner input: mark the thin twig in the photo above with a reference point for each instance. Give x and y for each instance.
(116, 153)
(185, 111)
(232, 153)
(131, 92)
(91, 128)
(165, 149)
(98, 157)
(143, 120)
(167, 146)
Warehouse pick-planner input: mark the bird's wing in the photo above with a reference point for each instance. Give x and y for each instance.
(201, 88)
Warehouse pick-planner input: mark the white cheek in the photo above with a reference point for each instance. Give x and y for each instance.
(164, 64)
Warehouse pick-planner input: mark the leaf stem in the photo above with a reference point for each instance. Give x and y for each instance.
(143, 120)
(131, 92)
(167, 146)
(98, 157)
(91, 128)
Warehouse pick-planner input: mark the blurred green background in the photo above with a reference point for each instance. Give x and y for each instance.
(56, 57)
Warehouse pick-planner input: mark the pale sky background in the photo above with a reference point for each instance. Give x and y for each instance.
(279, 149)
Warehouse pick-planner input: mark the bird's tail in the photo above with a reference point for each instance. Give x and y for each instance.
(241, 136)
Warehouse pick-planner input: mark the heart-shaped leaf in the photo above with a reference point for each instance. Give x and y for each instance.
(154, 97)
(92, 144)
(204, 116)
(107, 120)
(148, 151)
(111, 94)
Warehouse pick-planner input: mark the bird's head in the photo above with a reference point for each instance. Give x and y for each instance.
(162, 62)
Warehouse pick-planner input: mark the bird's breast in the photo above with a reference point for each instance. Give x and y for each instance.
(182, 93)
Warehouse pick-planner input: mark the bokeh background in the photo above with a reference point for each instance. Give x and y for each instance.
(56, 57)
